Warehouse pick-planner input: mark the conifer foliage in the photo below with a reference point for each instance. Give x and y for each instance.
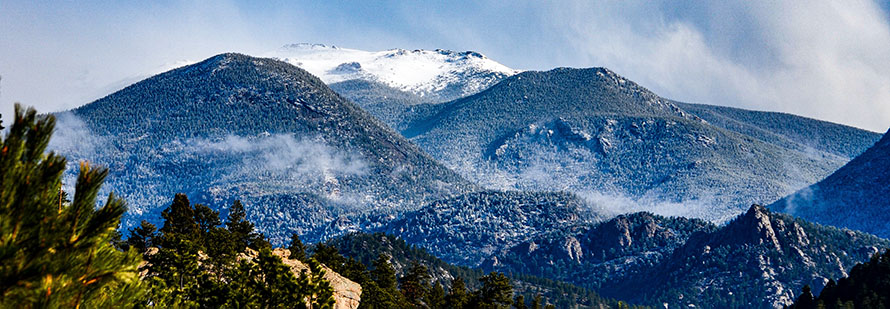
(196, 261)
(54, 253)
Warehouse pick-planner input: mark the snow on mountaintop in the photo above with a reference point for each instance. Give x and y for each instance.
(437, 75)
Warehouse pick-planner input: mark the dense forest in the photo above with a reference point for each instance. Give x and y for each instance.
(62, 252)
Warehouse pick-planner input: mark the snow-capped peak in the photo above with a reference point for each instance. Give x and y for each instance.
(436, 75)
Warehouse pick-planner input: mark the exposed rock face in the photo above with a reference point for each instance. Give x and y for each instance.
(347, 293)
(759, 260)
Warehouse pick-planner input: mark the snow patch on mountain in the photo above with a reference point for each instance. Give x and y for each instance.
(435, 75)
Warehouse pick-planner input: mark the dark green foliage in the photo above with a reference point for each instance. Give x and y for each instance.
(197, 264)
(457, 297)
(268, 283)
(397, 256)
(496, 292)
(142, 236)
(805, 300)
(55, 254)
(519, 302)
(436, 297)
(383, 273)
(536, 302)
(415, 284)
(242, 231)
(297, 249)
(867, 286)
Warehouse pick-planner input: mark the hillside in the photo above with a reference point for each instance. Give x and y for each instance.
(367, 247)
(787, 130)
(758, 260)
(855, 196)
(394, 107)
(613, 142)
(263, 131)
(468, 228)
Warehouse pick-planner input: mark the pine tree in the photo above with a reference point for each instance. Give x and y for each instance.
(242, 230)
(141, 236)
(206, 219)
(384, 274)
(519, 302)
(415, 284)
(297, 249)
(384, 277)
(435, 299)
(805, 300)
(536, 302)
(179, 219)
(54, 254)
(176, 263)
(496, 292)
(457, 296)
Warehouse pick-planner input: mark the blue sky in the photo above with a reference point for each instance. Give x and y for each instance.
(827, 60)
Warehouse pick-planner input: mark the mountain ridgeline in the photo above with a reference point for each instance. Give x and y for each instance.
(259, 130)
(855, 196)
(758, 260)
(609, 140)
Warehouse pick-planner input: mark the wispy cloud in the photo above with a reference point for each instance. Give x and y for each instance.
(821, 59)
(824, 60)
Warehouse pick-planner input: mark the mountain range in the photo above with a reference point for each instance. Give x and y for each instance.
(541, 173)
(617, 144)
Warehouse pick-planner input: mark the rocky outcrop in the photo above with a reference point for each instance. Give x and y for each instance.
(347, 293)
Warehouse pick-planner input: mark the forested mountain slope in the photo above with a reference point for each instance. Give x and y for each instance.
(605, 138)
(856, 196)
(263, 131)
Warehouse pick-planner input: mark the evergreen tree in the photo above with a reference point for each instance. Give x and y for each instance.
(435, 299)
(415, 284)
(384, 274)
(457, 296)
(141, 236)
(297, 249)
(242, 231)
(496, 292)
(536, 302)
(206, 219)
(197, 265)
(179, 219)
(54, 254)
(384, 277)
(519, 302)
(805, 300)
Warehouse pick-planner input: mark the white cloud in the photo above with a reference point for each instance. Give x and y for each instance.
(821, 59)
(824, 60)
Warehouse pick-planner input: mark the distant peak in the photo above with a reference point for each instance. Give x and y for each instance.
(309, 46)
